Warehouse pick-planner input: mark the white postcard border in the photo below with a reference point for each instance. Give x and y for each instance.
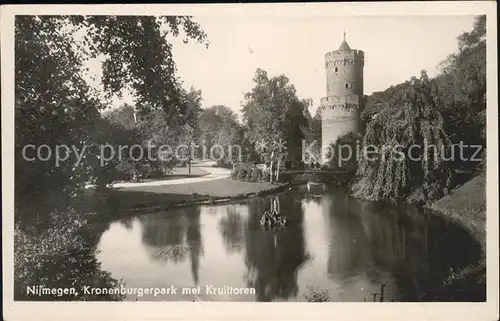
(262, 311)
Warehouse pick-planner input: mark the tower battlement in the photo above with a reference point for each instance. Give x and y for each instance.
(357, 52)
(344, 93)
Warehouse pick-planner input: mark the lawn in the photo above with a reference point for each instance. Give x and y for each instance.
(141, 197)
(467, 205)
(184, 171)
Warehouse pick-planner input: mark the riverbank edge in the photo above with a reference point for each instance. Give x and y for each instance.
(474, 225)
(196, 200)
(473, 230)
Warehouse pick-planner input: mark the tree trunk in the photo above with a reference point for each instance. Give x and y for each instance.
(271, 172)
(189, 160)
(271, 168)
(278, 170)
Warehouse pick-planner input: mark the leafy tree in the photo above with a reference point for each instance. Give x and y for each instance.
(219, 126)
(123, 128)
(124, 116)
(312, 134)
(62, 255)
(139, 57)
(55, 106)
(460, 92)
(378, 101)
(346, 153)
(188, 134)
(274, 118)
(399, 171)
(157, 134)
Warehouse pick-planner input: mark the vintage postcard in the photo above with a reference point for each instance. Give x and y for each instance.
(250, 161)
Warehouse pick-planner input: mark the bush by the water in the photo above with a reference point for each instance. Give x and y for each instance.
(224, 164)
(62, 255)
(317, 295)
(249, 173)
(344, 153)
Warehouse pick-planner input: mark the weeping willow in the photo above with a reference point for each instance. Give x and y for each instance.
(403, 149)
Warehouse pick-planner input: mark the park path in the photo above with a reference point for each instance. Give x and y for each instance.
(214, 173)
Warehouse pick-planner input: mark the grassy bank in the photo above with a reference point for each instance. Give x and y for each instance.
(120, 202)
(466, 206)
(177, 173)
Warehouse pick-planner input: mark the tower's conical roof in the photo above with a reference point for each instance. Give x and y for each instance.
(344, 46)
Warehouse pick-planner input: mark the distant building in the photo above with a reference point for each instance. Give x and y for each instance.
(344, 93)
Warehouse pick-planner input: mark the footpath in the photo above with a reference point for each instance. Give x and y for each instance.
(213, 174)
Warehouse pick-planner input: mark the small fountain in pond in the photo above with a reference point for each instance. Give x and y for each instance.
(273, 218)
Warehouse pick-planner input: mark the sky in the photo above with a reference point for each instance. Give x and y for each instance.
(396, 48)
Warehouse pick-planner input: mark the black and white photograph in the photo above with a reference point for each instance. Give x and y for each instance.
(285, 154)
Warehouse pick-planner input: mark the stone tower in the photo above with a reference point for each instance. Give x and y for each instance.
(344, 93)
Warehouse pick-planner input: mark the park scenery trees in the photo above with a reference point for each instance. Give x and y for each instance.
(274, 120)
(56, 106)
(441, 112)
(219, 126)
(397, 172)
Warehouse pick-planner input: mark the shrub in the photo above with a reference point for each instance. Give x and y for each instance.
(317, 295)
(224, 164)
(265, 176)
(285, 177)
(249, 175)
(62, 255)
(258, 175)
(242, 173)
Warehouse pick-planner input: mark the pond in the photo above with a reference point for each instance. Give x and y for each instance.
(332, 242)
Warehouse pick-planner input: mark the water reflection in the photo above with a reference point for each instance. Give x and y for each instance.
(347, 240)
(194, 241)
(174, 236)
(333, 241)
(274, 257)
(232, 228)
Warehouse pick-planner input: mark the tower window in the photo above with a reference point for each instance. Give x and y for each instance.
(346, 86)
(336, 69)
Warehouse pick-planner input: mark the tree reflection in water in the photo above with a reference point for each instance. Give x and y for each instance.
(368, 244)
(232, 229)
(173, 236)
(404, 242)
(274, 257)
(194, 241)
(347, 243)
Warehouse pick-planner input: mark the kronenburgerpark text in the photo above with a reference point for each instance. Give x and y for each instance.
(172, 290)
